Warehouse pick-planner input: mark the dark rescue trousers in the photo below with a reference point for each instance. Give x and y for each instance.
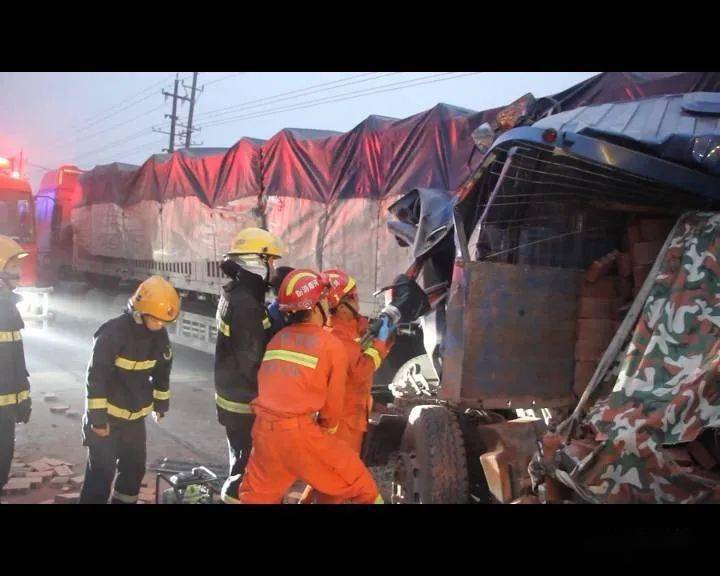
(7, 441)
(124, 452)
(239, 437)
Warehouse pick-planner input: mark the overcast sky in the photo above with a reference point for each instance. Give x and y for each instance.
(101, 117)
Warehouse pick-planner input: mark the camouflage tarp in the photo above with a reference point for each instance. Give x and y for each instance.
(668, 388)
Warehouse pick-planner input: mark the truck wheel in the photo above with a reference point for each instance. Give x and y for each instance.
(415, 379)
(431, 467)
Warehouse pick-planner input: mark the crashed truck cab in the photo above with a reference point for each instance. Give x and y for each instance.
(551, 241)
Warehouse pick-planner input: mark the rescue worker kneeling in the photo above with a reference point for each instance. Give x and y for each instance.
(301, 385)
(128, 377)
(349, 327)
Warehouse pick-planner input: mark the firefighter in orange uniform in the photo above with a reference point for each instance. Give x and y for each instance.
(299, 406)
(349, 326)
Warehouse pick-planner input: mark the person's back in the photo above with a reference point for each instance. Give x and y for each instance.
(300, 399)
(239, 347)
(299, 375)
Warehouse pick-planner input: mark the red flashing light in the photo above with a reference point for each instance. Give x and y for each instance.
(550, 136)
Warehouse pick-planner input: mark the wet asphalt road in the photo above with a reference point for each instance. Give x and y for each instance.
(57, 358)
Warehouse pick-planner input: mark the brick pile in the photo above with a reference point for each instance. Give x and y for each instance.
(644, 239)
(45, 472)
(608, 289)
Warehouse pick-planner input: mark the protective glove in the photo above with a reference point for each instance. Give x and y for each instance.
(23, 411)
(158, 416)
(386, 329)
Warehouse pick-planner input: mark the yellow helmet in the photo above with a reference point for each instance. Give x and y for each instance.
(10, 249)
(257, 241)
(156, 297)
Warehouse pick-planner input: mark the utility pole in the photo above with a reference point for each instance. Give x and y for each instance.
(173, 117)
(194, 90)
(190, 111)
(174, 123)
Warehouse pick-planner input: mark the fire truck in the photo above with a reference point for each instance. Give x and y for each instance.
(17, 220)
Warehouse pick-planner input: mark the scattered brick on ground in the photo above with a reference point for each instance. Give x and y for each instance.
(68, 498)
(40, 465)
(35, 481)
(45, 475)
(63, 471)
(59, 481)
(59, 409)
(17, 486)
(77, 481)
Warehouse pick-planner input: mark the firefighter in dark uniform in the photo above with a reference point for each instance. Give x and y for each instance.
(244, 328)
(127, 379)
(15, 403)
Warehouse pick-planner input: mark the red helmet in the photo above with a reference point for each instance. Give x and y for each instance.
(301, 289)
(340, 284)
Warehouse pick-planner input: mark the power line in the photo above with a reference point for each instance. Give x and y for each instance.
(153, 144)
(346, 96)
(127, 138)
(128, 152)
(38, 166)
(116, 112)
(82, 123)
(296, 93)
(113, 127)
(223, 78)
(111, 145)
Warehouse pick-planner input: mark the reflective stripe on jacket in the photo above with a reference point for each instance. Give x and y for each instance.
(129, 372)
(303, 372)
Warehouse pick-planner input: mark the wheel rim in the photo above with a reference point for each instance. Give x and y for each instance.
(404, 487)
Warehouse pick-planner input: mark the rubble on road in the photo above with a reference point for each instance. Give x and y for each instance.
(17, 486)
(43, 477)
(63, 471)
(68, 498)
(59, 409)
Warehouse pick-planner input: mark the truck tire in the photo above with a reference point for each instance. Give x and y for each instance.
(431, 467)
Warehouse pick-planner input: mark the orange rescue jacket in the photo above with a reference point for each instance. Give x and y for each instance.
(303, 372)
(362, 365)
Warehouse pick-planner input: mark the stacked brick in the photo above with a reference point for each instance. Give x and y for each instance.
(608, 289)
(51, 472)
(644, 240)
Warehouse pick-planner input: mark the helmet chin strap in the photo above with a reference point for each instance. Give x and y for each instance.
(355, 311)
(325, 314)
(135, 314)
